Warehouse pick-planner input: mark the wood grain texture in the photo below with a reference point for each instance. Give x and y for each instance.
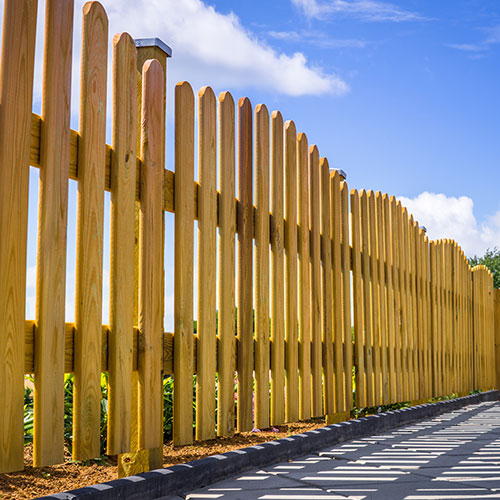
(207, 265)
(329, 375)
(395, 224)
(346, 297)
(16, 85)
(304, 280)
(440, 322)
(405, 327)
(382, 265)
(390, 298)
(367, 303)
(277, 274)
(291, 312)
(335, 232)
(412, 256)
(261, 269)
(227, 229)
(184, 241)
(357, 297)
(151, 259)
(434, 316)
(122, 235)
(375, 298)
(245, 228)
(48, 442)
(315, 270)
(90, 218)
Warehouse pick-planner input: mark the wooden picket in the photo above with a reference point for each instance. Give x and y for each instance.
(245, 226)
(304, 282)
(184, 259)
(16, 85)
(48, 437)
(121, 311)
(207, 265)
(227, 230)
(291, 309)
(90, 233)
(261, 267)
(277, 414)
(330, 310)
(425, 324)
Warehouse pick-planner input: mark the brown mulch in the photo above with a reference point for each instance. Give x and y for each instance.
(35, 482)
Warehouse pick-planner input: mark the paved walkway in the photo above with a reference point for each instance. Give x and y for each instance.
(453, 456)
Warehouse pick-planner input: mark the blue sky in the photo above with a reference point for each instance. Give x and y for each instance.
(403, 96)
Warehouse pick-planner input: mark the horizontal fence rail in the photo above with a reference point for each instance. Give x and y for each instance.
(331, 299)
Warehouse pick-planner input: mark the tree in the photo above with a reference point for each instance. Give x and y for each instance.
(491, 259)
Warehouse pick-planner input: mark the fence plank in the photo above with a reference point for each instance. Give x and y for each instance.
(315, 253)
(367, 303)
(357, 297)
(245, 287)
(304, 280)
(399, 293)
(207, 266)
(16, 85)
(420, 304)
(227, 229)
(412, 344)
(401, 303)
(426, 313)
(48, 439)
(405, 301)
(375, 299)
(121, 307)
(335, 232)
(346, 297)
(151, 259)
(441, 320)
(390, 298)
(91, 164)
(290, 235)
(261, 270)
(434, 316)
(277, 273)
(183, 287)
(382, 263)
(326, 217)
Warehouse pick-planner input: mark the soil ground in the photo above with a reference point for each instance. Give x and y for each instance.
(35, 482)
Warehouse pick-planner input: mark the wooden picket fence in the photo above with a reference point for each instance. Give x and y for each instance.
(423, 320)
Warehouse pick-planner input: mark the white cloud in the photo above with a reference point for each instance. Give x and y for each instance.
(492, 38)
(209, 48)
(320, 40)
(214, 48)
(450, 217)
(366, 10)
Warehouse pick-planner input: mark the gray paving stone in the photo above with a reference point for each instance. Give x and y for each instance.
(453, 456)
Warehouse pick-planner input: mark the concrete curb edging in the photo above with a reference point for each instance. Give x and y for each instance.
(198, 473)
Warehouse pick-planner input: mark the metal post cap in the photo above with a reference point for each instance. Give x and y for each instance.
(153, 42)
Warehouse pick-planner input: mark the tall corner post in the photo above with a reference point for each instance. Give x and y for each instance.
(138, 460)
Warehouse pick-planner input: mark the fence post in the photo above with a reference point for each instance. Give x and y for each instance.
(142, 460)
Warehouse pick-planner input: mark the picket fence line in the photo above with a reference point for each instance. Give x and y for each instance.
(423, 320)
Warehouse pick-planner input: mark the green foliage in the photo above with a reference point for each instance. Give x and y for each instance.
(68, 412)
(491, 259)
